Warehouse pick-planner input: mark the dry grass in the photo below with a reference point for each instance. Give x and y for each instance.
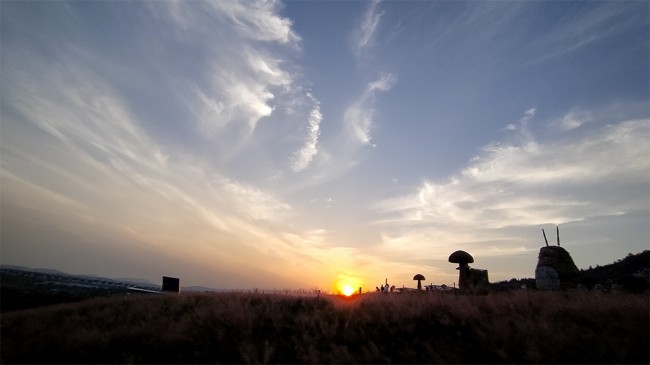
(510, 327)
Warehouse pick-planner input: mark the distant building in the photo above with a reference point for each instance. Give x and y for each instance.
(171, 285)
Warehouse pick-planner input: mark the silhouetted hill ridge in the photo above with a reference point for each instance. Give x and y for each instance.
(631, 273)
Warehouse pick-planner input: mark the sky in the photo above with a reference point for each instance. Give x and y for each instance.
(308, 144)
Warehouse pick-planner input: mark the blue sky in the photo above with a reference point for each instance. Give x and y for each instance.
(306, 144)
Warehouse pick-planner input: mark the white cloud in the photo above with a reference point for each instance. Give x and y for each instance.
(303, 157)
(368, 27)
(255, 20)
(359, 116)
(242, 86)
(98, 134)
(240, 63)
(236, 99)
(524, 127)
(527, 184)
(585, 29)
(496, 204)
(573, 120)
(316, 237)
(268, 67)
(246, 75)
(78, 146)
(258, 20)
(91, 157)
(407, 244)
(384, 83)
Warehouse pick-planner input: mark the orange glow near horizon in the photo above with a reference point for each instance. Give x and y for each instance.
(348, 285)
(348, 290)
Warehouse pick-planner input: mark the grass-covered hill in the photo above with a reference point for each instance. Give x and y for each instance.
(426, 327)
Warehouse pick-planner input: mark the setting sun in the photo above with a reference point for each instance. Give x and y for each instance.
(348, 285)
(348, 290)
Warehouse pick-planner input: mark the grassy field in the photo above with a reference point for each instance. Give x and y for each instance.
(508, 327)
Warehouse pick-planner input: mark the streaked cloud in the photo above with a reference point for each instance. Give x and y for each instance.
(258, 20)
(71, 139)
(240, 58)
(384, 83)
(359, 116)
(233, 99)
(303, 157)
(574, 119)
(125, 184)
(535, 183)
(593, 25)
(368, 27)
(524, 183)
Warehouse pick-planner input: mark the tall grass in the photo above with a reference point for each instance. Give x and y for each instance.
(511, 327)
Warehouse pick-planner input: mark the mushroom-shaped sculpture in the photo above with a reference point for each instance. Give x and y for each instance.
(461, 258)
(419, 278)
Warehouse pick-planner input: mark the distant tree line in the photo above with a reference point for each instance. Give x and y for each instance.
(631, 274)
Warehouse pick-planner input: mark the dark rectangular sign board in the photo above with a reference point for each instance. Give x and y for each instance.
(171, 284)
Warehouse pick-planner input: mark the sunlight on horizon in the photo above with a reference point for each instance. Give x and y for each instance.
(348, 290)
(348, 285)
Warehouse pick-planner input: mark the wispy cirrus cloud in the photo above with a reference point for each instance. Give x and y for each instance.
(368, 28)
(246, 74)
(74, 140)
(258, 20)
(244, 70)
(254, 20)
(304, 156)
(574, 119)
(525, 183)
(358, 117)
(533, 183)
(87, 157)
(86, 121)
(591, 26)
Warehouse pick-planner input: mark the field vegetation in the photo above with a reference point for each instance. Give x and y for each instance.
(523, 326)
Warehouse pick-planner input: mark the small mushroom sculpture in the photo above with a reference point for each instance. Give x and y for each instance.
(419, 278)
(463, 259)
